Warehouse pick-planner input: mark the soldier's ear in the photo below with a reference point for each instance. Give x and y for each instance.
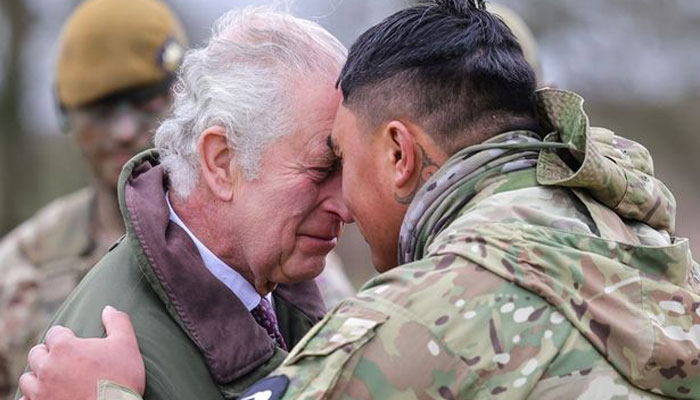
(216, 160)
(400, 152)
(413, 157)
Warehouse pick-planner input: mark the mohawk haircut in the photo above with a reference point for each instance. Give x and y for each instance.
(448, 65)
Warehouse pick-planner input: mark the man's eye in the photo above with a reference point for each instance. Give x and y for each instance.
(99, 111)
(321, 173)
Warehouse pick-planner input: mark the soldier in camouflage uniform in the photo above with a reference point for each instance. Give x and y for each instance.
(115, 66)
(543, 282)
(537, 261)
(538, 256)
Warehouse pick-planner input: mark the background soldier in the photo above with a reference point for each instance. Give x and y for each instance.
(115, 67)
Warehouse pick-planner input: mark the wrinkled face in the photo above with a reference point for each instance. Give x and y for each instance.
(367, 189)
(290, 217)
(109, 134)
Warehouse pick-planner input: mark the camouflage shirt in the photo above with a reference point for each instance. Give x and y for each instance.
(41, 262)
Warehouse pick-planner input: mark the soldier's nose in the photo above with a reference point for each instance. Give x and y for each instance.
(124, 128)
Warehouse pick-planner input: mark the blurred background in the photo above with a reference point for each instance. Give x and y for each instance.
(636, 62)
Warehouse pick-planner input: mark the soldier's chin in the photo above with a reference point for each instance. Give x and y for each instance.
(384, 262)
(113, 183)
(109, 177)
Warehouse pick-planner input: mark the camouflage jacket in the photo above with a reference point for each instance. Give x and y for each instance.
(41, 262)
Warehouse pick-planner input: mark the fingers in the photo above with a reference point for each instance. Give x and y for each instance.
(57, 334)
(37, 358)
(29, 385)
(118, 324)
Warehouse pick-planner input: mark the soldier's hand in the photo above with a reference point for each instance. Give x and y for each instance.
(67, 367)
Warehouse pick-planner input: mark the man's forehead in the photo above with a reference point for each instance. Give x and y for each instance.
(314, 147)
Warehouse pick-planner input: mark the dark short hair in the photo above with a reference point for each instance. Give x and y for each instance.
(449, 65)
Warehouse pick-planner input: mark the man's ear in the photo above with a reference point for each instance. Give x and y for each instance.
(401, 152)
(215, 160)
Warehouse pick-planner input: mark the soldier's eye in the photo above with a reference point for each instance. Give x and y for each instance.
(154, 105)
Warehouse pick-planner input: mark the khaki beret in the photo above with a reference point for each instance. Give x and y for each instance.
(110, 46)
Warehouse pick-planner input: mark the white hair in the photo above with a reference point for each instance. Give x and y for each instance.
(240, 81)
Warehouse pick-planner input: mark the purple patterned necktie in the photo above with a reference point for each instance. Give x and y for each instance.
(265, 317)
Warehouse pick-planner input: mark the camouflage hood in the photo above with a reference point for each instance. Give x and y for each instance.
(637, 304)
(617, 172)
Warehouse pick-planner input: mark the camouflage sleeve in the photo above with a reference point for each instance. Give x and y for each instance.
(19, 304)
(107, 390)
(41, 262)
(422, 332)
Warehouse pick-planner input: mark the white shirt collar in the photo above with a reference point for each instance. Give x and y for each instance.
(227, 275)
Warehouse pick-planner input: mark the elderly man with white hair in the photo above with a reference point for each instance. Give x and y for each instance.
(232, 214)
